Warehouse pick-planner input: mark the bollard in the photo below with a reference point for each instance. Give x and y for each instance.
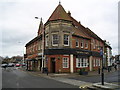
(98, 70)
(108, 69)
(47, 73)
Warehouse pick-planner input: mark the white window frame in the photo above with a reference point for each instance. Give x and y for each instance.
(98, 45)
(46, 41)
(86, 44)
(99, 61)
(81, 62)
(57, 40)
(67, 40)
(86, 62)
(94, 44)
(94, 62)
(82, 44)
(77, 43)
(65, 62)
(78, 64)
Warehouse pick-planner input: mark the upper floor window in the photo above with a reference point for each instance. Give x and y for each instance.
(86, 44)
(98, 46)
(82, 44)
(94, 44)
(46, 42)
(77, 43)
(38, 47)
(66, 40)
(55, 39)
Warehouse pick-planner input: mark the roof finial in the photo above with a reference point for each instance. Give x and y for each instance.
(59, 2)
(41, 18)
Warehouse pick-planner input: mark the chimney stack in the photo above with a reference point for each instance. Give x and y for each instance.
(69, 13)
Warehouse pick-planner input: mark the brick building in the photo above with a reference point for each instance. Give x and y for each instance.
(63, 45)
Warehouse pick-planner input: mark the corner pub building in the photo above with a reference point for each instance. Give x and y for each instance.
(63, 45)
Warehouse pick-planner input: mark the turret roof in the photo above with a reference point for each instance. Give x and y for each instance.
(59, 13)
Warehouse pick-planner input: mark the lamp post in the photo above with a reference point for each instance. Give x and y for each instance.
(102, 72)
(22, 52)
(42, 45)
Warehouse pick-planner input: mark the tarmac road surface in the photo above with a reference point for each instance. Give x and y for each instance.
(15, 78)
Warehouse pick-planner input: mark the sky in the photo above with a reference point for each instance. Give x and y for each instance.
(18, 24)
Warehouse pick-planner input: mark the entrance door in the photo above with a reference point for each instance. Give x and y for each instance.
(53, 65)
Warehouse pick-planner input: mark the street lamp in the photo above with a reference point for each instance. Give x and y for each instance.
(22, 52)
(102, 72)
(42, 44)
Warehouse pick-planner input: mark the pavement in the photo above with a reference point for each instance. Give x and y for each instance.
(64, 77)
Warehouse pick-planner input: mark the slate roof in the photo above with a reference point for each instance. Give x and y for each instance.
(92, 34)
(79, 26)
(84, 29)
(33, 40)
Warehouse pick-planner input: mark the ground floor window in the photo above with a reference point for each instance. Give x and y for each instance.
(96, 62)
(99, 62)
(65, 62)
(81, 62)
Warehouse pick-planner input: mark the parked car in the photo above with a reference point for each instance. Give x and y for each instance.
(17, 65)
(4, 65)
(11, 65)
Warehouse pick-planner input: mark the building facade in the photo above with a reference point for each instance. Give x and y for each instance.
(64, 45)
(108, 54)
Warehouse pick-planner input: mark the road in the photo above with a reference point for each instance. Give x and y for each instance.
(15, 78)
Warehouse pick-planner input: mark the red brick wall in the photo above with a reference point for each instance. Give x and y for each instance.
(80, 39)
(74, 63)
(96, 47)
(58, 63)
(32, 50)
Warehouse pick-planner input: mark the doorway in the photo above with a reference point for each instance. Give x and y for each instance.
(53, 65)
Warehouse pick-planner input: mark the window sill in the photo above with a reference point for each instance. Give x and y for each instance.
(66, 45)
(54, 45)
(65, 67)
